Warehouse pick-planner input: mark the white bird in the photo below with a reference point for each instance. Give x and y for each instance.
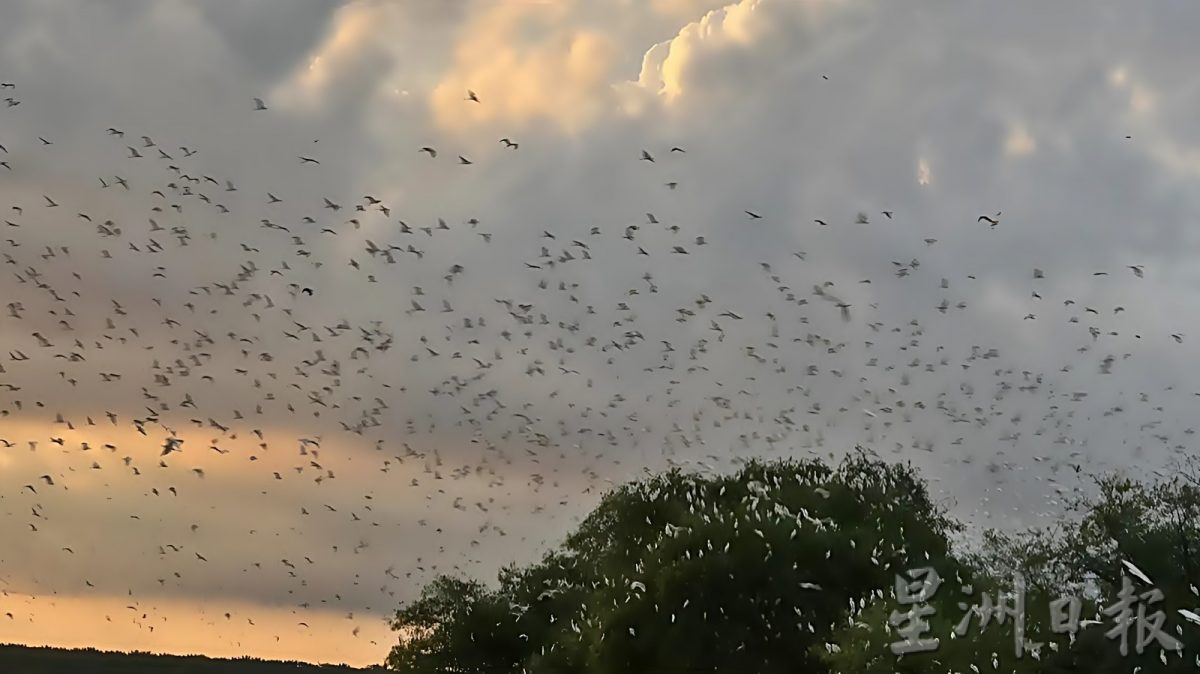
(1137, 572)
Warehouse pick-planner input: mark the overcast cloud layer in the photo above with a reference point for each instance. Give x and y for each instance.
(465, 391)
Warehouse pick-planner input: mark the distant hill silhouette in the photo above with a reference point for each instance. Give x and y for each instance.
(29, 660)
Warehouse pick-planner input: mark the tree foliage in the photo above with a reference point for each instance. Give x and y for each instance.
(791, 566)
(684, 572)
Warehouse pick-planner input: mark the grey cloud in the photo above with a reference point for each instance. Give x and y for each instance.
(763, 130)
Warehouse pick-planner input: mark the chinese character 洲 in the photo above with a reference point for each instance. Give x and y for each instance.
(1000, 611)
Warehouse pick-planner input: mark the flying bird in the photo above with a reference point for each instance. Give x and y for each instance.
(991, 220)
(1137, 573)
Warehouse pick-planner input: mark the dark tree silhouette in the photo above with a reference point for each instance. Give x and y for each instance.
(683, 572)
(791, 567)
(30, 660)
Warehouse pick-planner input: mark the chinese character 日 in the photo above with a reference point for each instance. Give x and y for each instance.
(911, 625)
(1064, 615)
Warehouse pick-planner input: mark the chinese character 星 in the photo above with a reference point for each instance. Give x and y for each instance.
(911, 625)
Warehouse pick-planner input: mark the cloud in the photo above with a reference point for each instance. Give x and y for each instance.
(579, 347)
(526, 66)
(1019, 142)
(669, 67)
(924, 174)
(346, 62)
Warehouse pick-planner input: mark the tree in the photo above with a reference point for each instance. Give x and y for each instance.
(682, 572)
(457, 625)
(793, 566)
(1128, 528)
(37, 660)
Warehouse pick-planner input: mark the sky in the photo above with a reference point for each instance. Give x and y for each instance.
(382, 343)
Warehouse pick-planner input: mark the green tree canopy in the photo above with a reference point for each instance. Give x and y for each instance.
(685, 572)
(792, 566)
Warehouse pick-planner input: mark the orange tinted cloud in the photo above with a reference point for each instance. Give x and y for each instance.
(527, 62)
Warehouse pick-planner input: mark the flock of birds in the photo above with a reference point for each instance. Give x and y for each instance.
(169, 326)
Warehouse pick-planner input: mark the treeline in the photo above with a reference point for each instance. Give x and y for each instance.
(790, 567)
(794, 567)
(32, 660)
